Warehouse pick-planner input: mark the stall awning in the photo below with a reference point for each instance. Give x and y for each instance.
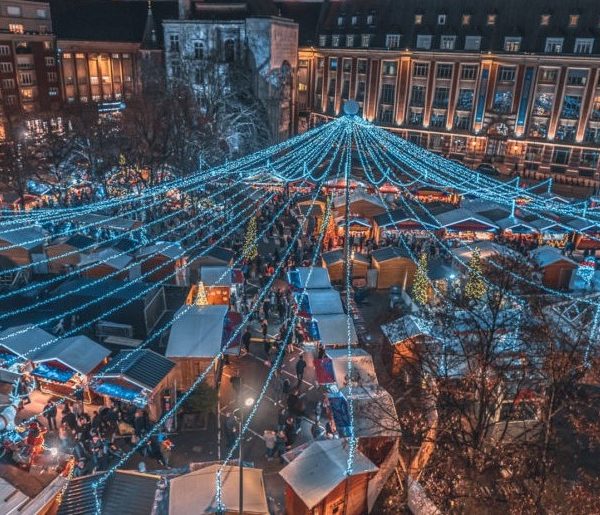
(332, 330)
(77, 353)
(363, 369)
(216, 275)
(302, 277)
(320, 302)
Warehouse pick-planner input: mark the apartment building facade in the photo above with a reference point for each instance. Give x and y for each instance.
(510, 83)
(29, 80)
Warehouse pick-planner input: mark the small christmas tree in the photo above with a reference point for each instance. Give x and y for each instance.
(201, 298)
(250, 250)
(330, 230)
(475, 287)
(420, 285)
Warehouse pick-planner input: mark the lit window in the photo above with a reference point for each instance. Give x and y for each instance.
(16, 28)
(573, 20)
(423, 42)
(545, 19)
(491, 19)
(466, 19)
(322, 40)
(472, 42)
(27, 93)
(506, 73)
(370, 19)
(79, 55)
(42, 13)
(512, 44)
(48, 45)
(340, 21)
(441, 19)
(354, 20)
(53, 92)
(365, 40)
(66, 55)
(418, 19)
(350, 40)
(49, 61)
(335, 40)
(447, 42)
(584, 45)
(554, 45)
(392, 41)
(12, 10)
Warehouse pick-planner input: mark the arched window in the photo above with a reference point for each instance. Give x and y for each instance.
(229, 51)
(198, 50)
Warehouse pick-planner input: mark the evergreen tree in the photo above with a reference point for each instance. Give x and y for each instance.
(421, 283)
(250, 250)
(475, 287)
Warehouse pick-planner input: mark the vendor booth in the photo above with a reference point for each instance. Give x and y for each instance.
(17, 343)
(400, 222)
(358, 226)
(394, 267)
(220, 284)
(363, 369)
(138, 377)
(326, 301)
(65, 366)
(197, 336)
(336, 265)
(556, 268)
(330, 331)
(465, 225)
(361, 204)
(309, 278)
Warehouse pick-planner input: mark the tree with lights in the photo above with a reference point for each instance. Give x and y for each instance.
(330, 230)
(420, 286)
(250, 250)
(475, 287)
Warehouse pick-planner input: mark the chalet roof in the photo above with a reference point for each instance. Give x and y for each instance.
(21, 339)
(420, 215)
(144, 367)
(197, 332)
(450, 218)
(389, 253)
(216, 275)
(108, 256)
(336, 256)
(79, 353)
(325, 301)
(374, 411)
(406, 327)
(320, 468)
(358, 196)
(136, 491)
(220, 253)
(363, 369)
(319, 278)
(546, 256)
(80, 241)
(168, 249)
(195, 492)
(333, 329)
(28, 237)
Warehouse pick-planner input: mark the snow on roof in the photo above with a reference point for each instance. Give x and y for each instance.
(374, 411)
(363, 369)
(197, 332)
(486, 249)
(406, 327)
(320, 468)
(110, 222)
(456, 216)
(546, 255)
(110, 257)
(26, 237)
(195, 492)
(356, 196)
(27, 338)
(319, 278)
(165, 248)
(216, 275)
(79, 353)
(324, 301)
(333, 329)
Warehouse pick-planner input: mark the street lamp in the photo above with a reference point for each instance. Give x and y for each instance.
(248, 404)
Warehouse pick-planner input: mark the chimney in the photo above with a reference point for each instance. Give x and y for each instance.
(185, 9)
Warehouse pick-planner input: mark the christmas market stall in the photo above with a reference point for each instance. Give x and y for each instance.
(139, 377)
(394, 267)
(66, 365)
(266, 180)
(108, 223)
(336, 265)
(325, 301)
(361, 204)
(363, 369)
(65, 252)
(340, 184)
(24, 245)
(427, 194)
(587, 236)
(105, 262)
(195, 492)
(309, 278)
(415, 222)
(218, 285)
(514, 225)
(317, 481)
(553, 230)
(197, 335)
(556, 268)
(19, 342)
(463, 224)
(358, 226)
(208, 256)
(164, 262)
(330, 331)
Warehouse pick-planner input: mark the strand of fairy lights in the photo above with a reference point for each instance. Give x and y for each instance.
(203, 375)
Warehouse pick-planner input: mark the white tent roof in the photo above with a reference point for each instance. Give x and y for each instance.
(324, 302)
(363, 369)
(166, 248)
(27, 237)
(320, 468)
(110, 256)
(215, 275)
(333, 329)
(547, 255)
(79, 353)
(374, 411)
(406, 327)
(197, 332)
(319, 278)
(29, 337)
(196, 492)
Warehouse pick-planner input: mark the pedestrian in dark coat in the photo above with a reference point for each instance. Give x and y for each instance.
(50, 412)
(300, 366)
(246, 337)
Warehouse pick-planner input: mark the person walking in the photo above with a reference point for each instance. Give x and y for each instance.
(246, 337)
(270, 438)
(280, 445)
(50, 413)
(264, 327)
(300, 366)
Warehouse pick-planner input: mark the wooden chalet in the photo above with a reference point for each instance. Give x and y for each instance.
(361, 204)
(208, 256)
(393, 224)
(163, 261)
(108, 262)
(335, 263)
(65, 253)
(466, 225)
(316, 480)
(394, 267)
(23, 244)
(556, 268)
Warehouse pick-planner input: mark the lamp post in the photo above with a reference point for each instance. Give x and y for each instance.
(247, 404)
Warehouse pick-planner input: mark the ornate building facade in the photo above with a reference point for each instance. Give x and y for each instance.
(511, 83)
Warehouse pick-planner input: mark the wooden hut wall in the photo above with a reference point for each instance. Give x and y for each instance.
(394, 271)
(59, 262)
(558, 275)
(186, 371)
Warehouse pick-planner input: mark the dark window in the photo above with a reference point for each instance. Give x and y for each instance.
(387, 94)
(346, 89)
(465, 100)
(469, 72)
(420, 70)
(229, 51)
(561, 156)
(444, 71)
(506, 73)
(571, 107)
(360, 92)
(417, 96)
(438, 120)
(362, 66)
(440, 99)
(347, 63)
(331, 89)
